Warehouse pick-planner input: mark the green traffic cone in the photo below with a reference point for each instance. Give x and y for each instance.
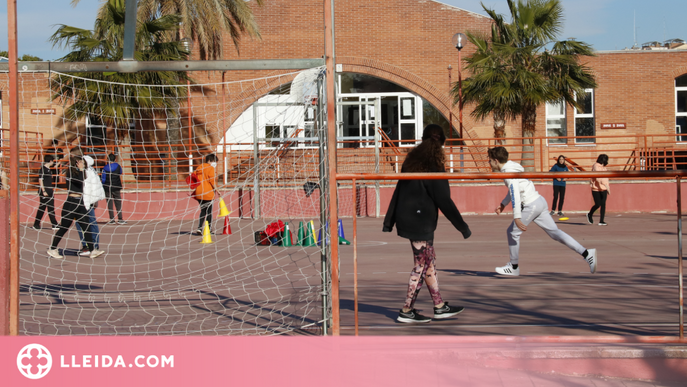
(301, 235)
(343, 241)
(286, 239)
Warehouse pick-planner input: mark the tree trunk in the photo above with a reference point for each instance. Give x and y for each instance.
(500, 127)
(529, 121)
(174, 140)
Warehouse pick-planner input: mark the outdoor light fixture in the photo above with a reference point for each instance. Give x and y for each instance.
(459, 40)
(187, 44)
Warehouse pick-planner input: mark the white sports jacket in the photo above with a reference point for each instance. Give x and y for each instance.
(520, 191)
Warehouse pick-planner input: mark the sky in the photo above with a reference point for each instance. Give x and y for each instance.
(605, 24)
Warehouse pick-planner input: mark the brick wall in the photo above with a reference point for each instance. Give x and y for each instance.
(408, 42)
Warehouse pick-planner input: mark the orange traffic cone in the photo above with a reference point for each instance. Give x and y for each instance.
(227, 227)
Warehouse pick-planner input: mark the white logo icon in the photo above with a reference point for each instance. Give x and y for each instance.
(34, 361)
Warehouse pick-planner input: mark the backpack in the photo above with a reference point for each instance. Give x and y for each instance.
(192, 181)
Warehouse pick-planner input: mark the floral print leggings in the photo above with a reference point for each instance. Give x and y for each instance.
(424, 270)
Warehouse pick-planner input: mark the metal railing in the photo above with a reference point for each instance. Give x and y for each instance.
(165, 166)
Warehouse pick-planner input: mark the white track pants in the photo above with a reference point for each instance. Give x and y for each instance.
(538, 211)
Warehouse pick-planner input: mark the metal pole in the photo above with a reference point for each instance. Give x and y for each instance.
(450, 108)
(323, 181)
(460, 107)
(378, 124)
(224, 129)
(130, 23)
(256, 165)
(14, 169)
(679, 256)
(331, 149)
(355, 256)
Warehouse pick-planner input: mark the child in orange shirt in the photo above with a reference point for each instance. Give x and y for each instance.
(206, 191)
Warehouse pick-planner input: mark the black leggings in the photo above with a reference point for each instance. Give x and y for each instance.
(205, 214)
(558, 190)
(46, 202)
(73, 210)
(599, 201)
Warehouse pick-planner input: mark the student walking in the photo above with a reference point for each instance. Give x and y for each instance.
(206, 191)
(600, 191)
(529, 206)
(93, 193)
(414, 210)
(558, 186)
(112, 182)
(46, 193)
(74, 209)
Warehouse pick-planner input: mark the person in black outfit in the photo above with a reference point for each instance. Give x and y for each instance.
(46, 193)
(74, 209)
(112, 182)
(414, 210)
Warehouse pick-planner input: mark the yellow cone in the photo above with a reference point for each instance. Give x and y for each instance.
(206, 233)
(313, 233)
(223, 211)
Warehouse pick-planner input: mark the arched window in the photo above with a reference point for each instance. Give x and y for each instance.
(681, 107)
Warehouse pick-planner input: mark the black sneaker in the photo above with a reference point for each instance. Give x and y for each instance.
(447, 311)
(412, 317)
(590, 220)
(35, 228)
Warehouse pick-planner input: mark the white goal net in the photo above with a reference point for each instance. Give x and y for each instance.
(157, 276)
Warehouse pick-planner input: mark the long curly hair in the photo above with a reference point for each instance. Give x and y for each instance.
(429, 155)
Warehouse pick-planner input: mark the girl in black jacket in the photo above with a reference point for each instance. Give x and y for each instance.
(414, 210)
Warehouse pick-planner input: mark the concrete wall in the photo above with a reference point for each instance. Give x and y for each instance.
(292, 203)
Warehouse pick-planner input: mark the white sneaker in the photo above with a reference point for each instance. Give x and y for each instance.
(96, 253)
(55, 253)
(508, 270)
(85, 253)
(592, 259)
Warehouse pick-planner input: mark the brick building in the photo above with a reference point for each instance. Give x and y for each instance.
(405, 46)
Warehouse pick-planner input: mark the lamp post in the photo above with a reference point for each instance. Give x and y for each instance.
(187, 43)
(458, 40)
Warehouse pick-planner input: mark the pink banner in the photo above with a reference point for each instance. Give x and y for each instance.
(304, 361)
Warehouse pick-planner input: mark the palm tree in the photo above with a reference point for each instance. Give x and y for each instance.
(521, 66)
(205, 21)
(128, 95)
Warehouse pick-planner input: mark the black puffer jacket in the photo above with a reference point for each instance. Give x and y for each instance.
(414, 209)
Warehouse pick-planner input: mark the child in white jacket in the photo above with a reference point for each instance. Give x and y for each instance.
(529, 206)
(93, 192)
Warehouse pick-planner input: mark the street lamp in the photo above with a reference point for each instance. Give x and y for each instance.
(459, 40)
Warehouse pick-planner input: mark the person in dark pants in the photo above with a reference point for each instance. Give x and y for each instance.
(112, 182)
(558, 186)
(600, 191)
(206, 191)
(414, 210)
(74, 209)
(46, 193)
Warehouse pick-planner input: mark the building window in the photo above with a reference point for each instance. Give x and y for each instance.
(584, 117)
(681, 107)
(555, 122)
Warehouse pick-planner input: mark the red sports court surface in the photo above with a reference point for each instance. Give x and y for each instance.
(634, 292)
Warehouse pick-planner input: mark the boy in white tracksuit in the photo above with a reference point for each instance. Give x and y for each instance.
(529, 206)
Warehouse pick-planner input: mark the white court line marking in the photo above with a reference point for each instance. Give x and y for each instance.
(378, 272)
